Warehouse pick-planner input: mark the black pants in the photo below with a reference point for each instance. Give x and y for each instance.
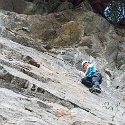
(95, 79)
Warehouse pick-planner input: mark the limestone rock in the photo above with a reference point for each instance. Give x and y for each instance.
(68, 34)
(39, 81)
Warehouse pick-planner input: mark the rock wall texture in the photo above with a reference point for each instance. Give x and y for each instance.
(40, 57)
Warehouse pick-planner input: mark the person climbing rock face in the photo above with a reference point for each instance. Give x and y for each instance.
(91, 78)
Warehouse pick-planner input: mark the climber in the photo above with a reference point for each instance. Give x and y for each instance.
(91, 78)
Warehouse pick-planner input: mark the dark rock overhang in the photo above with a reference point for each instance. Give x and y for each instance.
(31, 6)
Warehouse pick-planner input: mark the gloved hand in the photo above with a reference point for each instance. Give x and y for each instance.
(82, 74)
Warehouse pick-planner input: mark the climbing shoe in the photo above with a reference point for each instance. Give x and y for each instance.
(92, 89)
(98, 90)
(95, 90)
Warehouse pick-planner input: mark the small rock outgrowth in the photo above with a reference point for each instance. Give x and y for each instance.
(31, 61)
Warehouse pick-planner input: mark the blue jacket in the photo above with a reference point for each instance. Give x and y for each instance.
(92, 70)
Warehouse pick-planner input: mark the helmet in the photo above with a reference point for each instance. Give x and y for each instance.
(85, 62)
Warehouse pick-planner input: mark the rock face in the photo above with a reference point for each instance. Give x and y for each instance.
(42, 6)
(31, 7)
(18, 6)
(40, 57)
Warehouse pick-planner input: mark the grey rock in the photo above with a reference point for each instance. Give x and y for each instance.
(39, 81)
